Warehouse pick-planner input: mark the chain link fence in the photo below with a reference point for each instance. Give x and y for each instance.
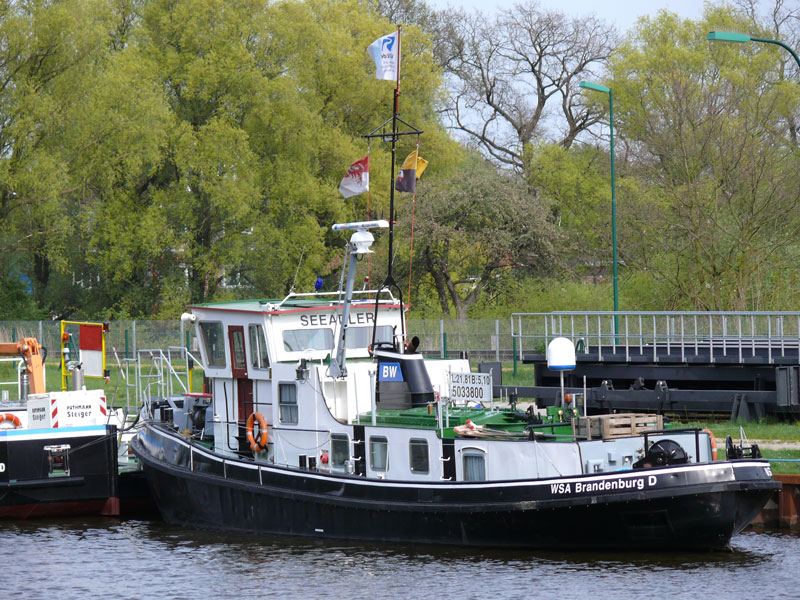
(479, 339)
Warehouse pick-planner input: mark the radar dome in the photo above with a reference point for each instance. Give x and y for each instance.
(560, 354)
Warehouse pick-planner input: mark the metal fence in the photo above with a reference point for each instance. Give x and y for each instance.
(739, 335)
(124, 337)
(481, 339)
(504, 340)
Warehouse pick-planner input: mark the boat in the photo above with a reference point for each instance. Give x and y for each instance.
(320, 420)
(64, 453)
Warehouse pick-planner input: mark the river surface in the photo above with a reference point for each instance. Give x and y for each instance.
(110, 559)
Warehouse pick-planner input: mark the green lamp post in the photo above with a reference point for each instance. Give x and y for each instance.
(727, 36)
(601, 88)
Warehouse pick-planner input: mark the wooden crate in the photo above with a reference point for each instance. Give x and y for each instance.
(614, 426)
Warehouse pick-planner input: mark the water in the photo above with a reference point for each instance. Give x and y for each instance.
(104, 558)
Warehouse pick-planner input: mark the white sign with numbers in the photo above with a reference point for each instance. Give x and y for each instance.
(470, 387)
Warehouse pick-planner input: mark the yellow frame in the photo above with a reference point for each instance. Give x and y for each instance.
(64, 372)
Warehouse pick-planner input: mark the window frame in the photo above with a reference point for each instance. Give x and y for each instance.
(222, 340)
(419, 442)
(473, 452)
(260, 351)
(336, 439)
(288, 405)
(374, 440)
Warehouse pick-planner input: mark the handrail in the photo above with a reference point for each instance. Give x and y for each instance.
(333, 293)
(716, 334)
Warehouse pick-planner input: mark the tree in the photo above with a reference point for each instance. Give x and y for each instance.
(47, 51)
(707, 126)
(514, 78)
(476, 229)
(577, 183)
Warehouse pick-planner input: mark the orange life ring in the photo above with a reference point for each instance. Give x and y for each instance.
(11, 417)
(713, 444)
(260, 444)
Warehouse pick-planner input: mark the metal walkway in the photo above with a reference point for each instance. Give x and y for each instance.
(772, 337)
(745, 363)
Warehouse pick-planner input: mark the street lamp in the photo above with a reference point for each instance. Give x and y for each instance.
(601, 88)
(727, 36)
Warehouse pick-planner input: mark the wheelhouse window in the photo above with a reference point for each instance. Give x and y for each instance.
(297, 340)
(237, 346)
(378, 453)
(418, 453)
(474, 465)
(361, 337)
(287, 403)
(258, 347)
(213, 342)
(340, 449)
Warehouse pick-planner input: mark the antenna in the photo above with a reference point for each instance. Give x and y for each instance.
(297, 270)
(359, 245)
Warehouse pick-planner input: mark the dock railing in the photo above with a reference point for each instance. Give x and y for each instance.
(730, 336)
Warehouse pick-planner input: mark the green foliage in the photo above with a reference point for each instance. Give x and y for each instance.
(577, 181)
(15, 302)
(163, 152)
(156, 153)
(714, 215)
(477, 230)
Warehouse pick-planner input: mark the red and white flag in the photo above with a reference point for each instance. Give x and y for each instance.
(356, 180)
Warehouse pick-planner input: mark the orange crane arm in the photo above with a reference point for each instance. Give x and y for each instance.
(31, 352)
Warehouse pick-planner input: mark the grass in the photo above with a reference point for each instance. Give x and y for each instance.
(524, 376)
(114, 386)
(766, 429)
(792, 468)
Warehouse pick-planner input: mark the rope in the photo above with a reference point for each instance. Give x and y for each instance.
(411, 250)
(369, 256)
(99, 440)
(547, 456)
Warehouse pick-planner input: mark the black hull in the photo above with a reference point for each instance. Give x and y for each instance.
(694, 508)
(92, 487)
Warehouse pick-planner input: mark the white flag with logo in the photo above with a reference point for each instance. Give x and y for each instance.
(385, 51)
(356, 180)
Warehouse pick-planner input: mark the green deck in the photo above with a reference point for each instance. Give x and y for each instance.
(505, 422)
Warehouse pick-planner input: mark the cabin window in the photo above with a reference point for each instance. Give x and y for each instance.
(361, 337)
(378, 453)
(340, 449)
(213, 343)
(297, 340)
(287, 402)
(258, 347)
(237, 346)
(474, 465)
(418, 452)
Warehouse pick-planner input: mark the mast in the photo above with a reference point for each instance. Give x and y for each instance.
(392, 136)
(358, 245)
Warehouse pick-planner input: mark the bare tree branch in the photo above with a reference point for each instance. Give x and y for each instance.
(514, 78)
